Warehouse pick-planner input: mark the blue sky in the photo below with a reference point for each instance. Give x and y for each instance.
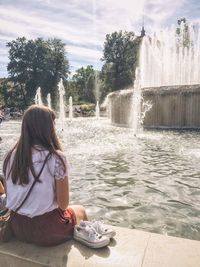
(83, 24)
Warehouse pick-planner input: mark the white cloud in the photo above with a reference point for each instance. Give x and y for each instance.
(17, 23)
(90, 54)
(161, 11)
(4, 61)
(82, 25)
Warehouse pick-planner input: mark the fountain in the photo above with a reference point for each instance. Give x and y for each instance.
(61, 91)
(170, 77)
(38, 97)
(97, 110)
(171, 57)
(136, 103)
(70, 107)
(49, 100)
(169, 81)
(97, 93)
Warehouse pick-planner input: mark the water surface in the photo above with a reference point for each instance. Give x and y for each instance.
(151, 182)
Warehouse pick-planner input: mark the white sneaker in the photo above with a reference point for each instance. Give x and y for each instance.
(88, 236)
(100, 228)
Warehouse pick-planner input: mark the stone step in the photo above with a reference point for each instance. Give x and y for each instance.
(129, 248)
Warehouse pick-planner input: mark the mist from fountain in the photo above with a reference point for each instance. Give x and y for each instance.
(171, 57)
(38, 97)
(49, 100)
(70, 107)
(61, 91)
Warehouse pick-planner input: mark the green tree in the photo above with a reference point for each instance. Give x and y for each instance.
(2, 91)
(35, 63)
(84, 83)
(10, 94)
(120, 55)
(107, 76)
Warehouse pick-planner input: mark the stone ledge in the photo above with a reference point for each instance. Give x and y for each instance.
(171, 89)
(130, 248)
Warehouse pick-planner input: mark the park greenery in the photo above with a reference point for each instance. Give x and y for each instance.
(39, 62)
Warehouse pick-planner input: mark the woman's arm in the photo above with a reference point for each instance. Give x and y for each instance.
(2, 191)
(62, 193)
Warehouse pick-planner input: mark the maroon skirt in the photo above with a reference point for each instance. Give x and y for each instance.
(49, 229)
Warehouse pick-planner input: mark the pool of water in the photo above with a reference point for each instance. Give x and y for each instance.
(151, 182)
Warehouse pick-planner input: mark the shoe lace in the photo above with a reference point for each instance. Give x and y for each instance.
(99, 225)
(91, 231)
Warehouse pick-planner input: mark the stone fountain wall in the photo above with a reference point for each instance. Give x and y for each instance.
(119, 104)
(175, 107)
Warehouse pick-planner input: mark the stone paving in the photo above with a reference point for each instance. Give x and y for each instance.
(131, 248)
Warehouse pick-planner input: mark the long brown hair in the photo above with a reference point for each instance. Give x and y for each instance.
(37, 129)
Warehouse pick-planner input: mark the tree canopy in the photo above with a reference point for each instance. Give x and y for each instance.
(35, 63)
(120, 55)
(83, 81)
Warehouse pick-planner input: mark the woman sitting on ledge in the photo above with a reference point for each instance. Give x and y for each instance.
(36, 183)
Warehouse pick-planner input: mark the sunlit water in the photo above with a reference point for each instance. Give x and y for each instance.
(151, 182)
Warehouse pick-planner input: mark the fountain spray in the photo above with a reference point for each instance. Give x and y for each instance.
(70, 107)
(49, 100)
(97, 110)
(38, 97)
(61, 91)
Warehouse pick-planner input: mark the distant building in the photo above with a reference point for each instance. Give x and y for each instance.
(143, 32)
